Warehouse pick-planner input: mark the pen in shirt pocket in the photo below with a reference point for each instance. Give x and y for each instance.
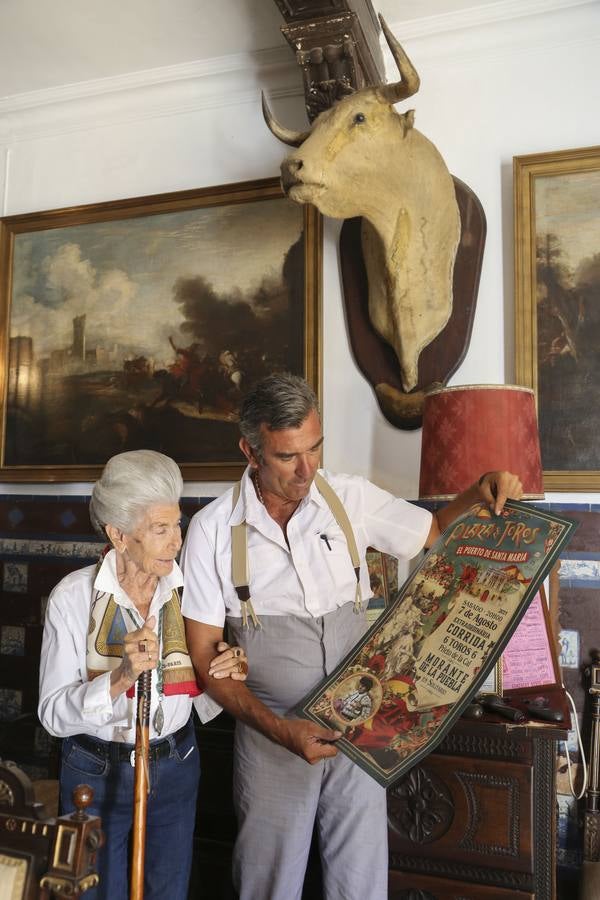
(324, 537)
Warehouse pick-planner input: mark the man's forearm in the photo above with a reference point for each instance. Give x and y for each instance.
(233, 696)
(493, 488)
(458, 506)
(311, 741)
(444, 517)
(242, 704)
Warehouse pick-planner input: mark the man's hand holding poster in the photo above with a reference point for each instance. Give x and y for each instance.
(402, 687)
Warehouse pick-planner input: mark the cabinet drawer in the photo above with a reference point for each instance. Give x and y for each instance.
(476, 812)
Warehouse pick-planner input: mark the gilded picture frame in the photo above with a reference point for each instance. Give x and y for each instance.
(141, 322)
(557, 308)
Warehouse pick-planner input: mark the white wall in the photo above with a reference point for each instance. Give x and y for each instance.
(505, 87)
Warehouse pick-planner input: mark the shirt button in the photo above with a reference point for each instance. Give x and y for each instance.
(319, 620)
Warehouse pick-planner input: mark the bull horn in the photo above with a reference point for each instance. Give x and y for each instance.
(293, 138)
(410, 81)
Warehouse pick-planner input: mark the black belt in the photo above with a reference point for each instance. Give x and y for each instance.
(118, 752)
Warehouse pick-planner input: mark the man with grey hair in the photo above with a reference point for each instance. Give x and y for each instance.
(272, 560)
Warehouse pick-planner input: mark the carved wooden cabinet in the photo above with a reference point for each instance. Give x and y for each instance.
(476, 820)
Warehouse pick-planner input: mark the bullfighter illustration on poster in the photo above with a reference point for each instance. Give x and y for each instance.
(401, 688)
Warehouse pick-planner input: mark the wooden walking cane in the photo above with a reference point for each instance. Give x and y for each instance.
(140, 792)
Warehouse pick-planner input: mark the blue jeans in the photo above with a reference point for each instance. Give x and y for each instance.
(170, 818)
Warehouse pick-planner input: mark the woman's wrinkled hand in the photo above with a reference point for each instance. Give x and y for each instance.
(230, 663)
(140, 652)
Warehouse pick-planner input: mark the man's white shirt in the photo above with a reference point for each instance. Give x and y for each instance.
(309, 575)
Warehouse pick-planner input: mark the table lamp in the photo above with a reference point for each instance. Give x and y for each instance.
(476, 428)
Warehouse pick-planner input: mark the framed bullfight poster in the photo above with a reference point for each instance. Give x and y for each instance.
(399, 691)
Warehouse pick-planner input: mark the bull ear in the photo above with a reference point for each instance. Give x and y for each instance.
(407, 121)
(293, 138)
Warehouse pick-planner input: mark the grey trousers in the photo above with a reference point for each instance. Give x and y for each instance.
(278, 797)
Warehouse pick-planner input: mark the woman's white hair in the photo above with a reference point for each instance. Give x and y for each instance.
(129, 484)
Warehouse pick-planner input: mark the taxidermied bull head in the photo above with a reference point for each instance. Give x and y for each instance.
(362, 158)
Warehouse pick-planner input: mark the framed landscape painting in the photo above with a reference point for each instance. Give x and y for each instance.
(557, 299)
(142, 322)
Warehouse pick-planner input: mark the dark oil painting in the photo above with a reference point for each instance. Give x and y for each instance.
(567, 221)
(143, 326)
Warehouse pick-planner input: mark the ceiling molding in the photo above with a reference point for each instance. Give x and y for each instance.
(466, 36)
(550, 25)
(263, 61)
(478, 16)
(170, 90)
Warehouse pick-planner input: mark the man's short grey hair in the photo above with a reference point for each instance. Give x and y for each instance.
(278, 401)
(130, 483)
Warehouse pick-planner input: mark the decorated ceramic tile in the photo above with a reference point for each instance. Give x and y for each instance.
(12, 640)
(11, 704)
(569, 852)
(568, 641)
(14, 577)
(582, 570)
(30, 547)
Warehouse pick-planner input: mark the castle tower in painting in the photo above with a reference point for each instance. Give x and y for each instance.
(79, 337)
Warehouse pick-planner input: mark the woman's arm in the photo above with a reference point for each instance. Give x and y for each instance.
(68, 702)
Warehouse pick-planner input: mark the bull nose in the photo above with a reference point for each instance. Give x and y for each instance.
(289, 173)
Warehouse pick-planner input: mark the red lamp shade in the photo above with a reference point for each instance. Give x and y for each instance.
(479, 428)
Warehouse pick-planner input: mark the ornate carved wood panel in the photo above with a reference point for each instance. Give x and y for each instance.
(424, 888)
(476, 819)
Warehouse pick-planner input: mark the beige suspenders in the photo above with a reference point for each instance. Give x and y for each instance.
(240, 571)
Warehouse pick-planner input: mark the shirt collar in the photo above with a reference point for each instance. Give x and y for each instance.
(106, 581)
(249, 508)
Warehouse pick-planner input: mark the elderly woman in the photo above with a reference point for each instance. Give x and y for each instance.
(105, 625)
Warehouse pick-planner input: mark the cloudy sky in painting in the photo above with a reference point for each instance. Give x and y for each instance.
(569, 206)
(121, 274)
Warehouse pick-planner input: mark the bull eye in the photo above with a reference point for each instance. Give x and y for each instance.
(359, 118)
